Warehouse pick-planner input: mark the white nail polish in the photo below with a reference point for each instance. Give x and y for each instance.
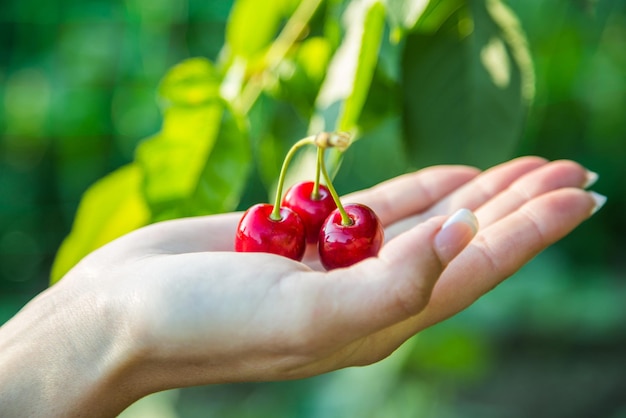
(591, 179)
(462, 215)
(599, 200)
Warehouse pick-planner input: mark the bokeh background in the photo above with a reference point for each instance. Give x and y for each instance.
(77, 93)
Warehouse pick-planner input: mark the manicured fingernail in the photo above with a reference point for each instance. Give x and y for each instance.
(462, 215)
(590, 179)
(599, 200)
(455, 234)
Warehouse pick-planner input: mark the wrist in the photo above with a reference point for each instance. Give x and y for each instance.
(77, 351)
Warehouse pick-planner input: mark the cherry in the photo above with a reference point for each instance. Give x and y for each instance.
(258, 231)
(279, 229)
(274, 228)
(350, 233)
(342, 243)
(312, 207)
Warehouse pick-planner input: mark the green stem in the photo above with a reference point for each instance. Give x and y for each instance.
(275, 215)
(345, 219)
(315, 195)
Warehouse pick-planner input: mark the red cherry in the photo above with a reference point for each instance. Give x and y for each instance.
(343, 245)
(258, 232)
(312, 210)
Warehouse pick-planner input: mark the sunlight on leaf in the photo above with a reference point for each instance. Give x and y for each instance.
(403, 14)
(246, 42)
(435, 14)
(515, 39)
(197, 164)
(472, 84)
(345, 88)
(173, 160)
(350, 71)
(200, 142)
(190, 83)
(495, 60)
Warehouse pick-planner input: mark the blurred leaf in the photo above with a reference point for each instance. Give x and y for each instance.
(451, 350)
(347, 83)
(197, 164)
(435, 14)
(110, 208)
(350, 71)
(467, 87)
(191, 83)
(404, 13)
(377, 157)
(302, 76)
(276, 125)
(252, 25)
(313, 56)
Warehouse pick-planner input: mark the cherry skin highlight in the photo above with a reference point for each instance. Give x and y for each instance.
(313, 210)
(343, 245)
(258, 232)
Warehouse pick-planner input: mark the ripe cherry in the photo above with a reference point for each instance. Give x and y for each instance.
(313, 208)
(342, 244)
(259, 232)
(278, 229)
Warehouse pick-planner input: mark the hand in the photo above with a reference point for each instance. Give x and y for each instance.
(173, 306)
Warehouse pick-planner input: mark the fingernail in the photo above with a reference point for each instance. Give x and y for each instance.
(455, 234)
(462, 215)
(590, 179)
(599, 201)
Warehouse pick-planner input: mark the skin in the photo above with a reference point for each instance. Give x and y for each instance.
(171, 305)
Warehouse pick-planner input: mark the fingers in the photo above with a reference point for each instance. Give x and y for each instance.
(475, 192)
(489, 184)
(494, 254)
(412, 193)
(551, 176)
(502, 248)
(382, 291)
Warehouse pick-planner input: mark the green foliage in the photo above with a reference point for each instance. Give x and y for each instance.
(349, 74)
(460, 69)
(425, 85)
(471, 76)
(198, 163)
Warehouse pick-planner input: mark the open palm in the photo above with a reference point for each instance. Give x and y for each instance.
(200, 313)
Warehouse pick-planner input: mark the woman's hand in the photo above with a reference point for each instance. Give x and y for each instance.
(171, 305)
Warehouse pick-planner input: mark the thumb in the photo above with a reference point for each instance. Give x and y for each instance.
(379, 292)
(456, 232)
(416, 258)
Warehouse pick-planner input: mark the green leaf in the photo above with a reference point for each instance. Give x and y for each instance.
(199, 160)
(403, 14)
(345, 88)
(252, 25)
(197, 164)
(110, 208)
(422, 15)
(192, 82)
(435, 14)
(377, 157)
(467, 88)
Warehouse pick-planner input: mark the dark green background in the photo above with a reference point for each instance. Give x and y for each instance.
(77, 92)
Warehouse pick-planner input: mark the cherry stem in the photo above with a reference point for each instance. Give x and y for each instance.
(315, 195)
(275, 215)
(345, 219)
